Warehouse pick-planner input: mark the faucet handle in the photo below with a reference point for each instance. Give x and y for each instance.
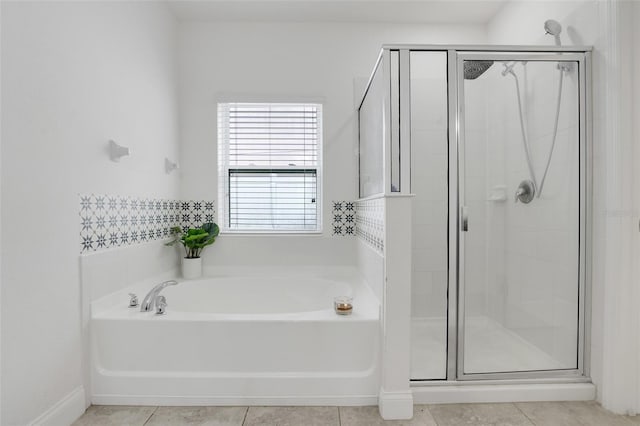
(133, 302)
(525, 192)
(519, 193)
(161, 305)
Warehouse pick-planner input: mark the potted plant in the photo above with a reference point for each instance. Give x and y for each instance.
(194, 240)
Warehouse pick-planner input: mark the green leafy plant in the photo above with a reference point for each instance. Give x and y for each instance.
(194, 240)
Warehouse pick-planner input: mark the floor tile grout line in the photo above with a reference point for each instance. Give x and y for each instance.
(150, 415)
(244, 419)
(515, 404)
(339, 417)
(426, 406)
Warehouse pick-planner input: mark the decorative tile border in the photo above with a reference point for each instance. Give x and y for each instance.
(344, 218)
(370, 222)
(108, 221)
(194, 213)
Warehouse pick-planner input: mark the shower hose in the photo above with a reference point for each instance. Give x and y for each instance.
(525, 138)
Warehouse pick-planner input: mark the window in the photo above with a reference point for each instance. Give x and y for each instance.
(269, 157)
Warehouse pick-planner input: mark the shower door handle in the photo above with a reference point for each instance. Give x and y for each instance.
(464, 219)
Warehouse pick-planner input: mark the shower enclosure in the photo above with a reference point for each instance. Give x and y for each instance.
(493, 143)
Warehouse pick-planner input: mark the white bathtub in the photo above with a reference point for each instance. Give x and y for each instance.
(239, 340)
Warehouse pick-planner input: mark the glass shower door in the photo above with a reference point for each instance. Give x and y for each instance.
(521, 173)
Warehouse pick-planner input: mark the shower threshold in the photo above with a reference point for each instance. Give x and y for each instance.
(485, 391)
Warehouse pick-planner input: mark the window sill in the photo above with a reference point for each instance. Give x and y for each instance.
(227, 232)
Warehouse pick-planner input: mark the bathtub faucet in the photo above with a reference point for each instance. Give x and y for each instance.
(149, 301)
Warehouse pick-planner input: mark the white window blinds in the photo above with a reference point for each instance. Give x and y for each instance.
(269, 156)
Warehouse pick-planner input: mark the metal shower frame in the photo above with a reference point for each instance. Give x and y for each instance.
(397, 152)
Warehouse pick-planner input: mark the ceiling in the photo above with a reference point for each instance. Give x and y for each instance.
(395, 11)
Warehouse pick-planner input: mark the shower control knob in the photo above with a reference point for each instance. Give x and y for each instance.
(525, 192)
(133, 302)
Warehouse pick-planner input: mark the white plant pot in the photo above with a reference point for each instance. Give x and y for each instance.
(191, 268)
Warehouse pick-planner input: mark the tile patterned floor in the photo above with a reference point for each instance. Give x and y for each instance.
(504, 414)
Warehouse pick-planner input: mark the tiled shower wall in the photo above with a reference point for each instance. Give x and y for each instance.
(109, 221)
(429, 183)
(542, 237)
(429, 174)
(523, 257)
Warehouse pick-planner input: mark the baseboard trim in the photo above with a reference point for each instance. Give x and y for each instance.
(395, 405)
(63, 412)
(163, 400)
(504, 393)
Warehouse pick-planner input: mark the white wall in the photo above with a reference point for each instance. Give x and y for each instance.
(280, 61)
(74, 75)
(605, 25)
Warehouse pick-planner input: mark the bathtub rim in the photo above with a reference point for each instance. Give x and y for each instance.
(366, 305)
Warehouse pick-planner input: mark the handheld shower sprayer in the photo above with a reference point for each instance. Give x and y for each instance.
(553, 27)
(533, 186)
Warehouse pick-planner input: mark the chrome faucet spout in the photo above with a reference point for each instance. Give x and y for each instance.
(149, 302)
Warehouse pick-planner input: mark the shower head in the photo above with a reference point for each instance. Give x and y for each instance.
(474, 69)
(553, 28)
